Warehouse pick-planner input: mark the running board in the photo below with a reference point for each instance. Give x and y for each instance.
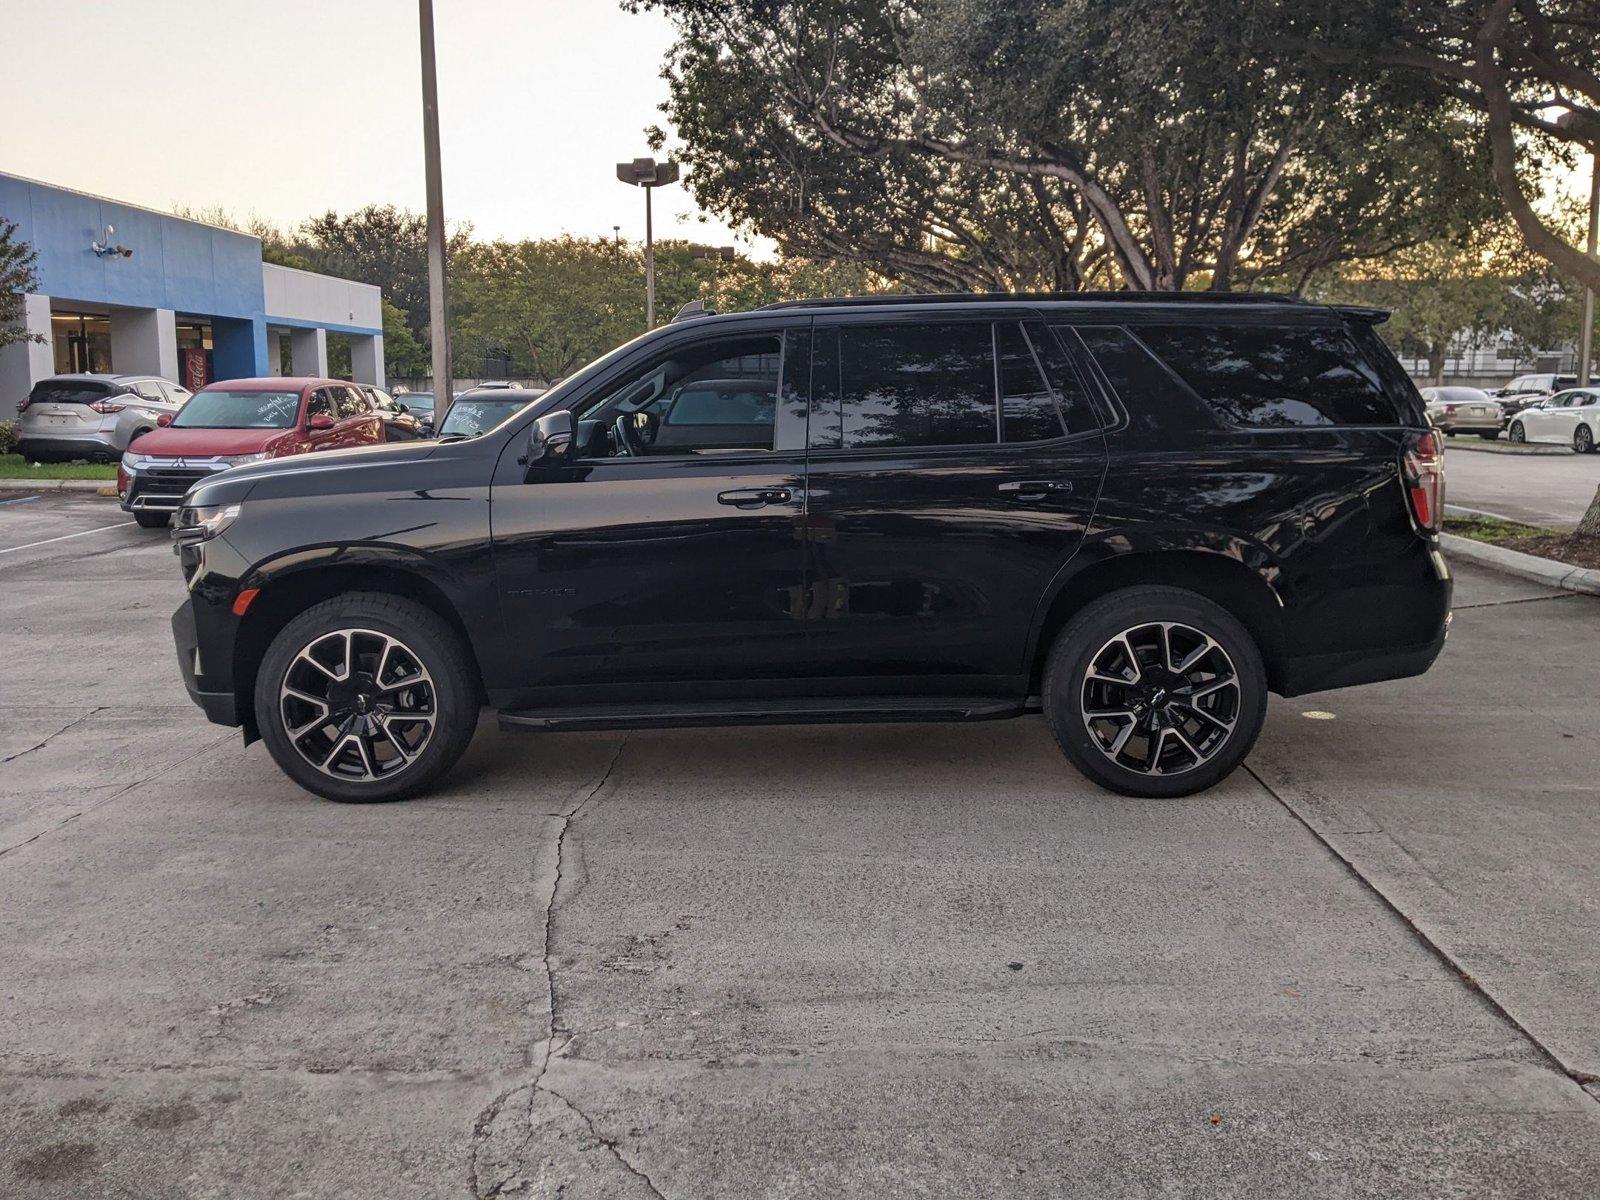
(800, 711)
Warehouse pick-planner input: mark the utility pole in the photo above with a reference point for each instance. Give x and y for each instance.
(438, 309)
(1586, 335)
(648, 173)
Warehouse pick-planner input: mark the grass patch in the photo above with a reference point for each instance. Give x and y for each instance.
(1493, 529)
(14, 466)
(1569, 548)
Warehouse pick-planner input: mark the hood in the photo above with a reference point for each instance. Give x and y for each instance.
(206, 443)
(237, 482)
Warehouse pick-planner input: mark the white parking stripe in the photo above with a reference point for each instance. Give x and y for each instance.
(65, 536)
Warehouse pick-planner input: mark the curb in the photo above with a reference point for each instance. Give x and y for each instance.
(101, 487)
(1478, 446)
(1527, 566)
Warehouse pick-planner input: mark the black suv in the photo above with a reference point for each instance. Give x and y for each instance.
(1139, 513)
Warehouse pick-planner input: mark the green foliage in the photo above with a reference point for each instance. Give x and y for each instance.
(17, 276)
(402, 353)
(1013, 143)
(8, 437)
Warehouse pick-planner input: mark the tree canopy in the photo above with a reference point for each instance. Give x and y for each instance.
(17, 276)
(1014, 143)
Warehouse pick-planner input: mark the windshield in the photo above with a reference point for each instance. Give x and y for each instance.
(472, 415)
(223, 409)
(417, 401)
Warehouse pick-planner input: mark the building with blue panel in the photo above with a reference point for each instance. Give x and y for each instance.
(126, 289)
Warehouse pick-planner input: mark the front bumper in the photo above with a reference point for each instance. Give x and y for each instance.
(162, 488)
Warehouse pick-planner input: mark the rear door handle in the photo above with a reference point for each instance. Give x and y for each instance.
(755, 497)
(1036, 489)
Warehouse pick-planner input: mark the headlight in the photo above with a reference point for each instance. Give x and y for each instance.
(132, 462)
(239, 460)
(204, 522)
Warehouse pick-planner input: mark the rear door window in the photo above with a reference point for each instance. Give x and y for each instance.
(917, 385)
(1273, 377)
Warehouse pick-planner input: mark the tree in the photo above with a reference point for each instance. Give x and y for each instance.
(1527, 66)
(402, 353)
(382, 245)
(18, 276)
(960, 144)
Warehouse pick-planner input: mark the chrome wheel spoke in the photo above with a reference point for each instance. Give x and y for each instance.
(1205, 689)
(1152, 764)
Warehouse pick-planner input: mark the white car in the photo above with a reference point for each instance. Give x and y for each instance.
(1571, 417)
(92, 416)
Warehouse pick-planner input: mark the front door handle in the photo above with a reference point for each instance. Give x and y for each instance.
(1036, 489)
(755, 497)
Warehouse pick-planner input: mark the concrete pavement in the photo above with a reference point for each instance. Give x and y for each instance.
(896, 960)
(1550, 490)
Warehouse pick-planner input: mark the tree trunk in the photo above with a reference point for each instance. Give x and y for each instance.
(1436, 364)
(1590, 525)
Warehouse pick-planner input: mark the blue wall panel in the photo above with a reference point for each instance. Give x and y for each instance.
(176, 264)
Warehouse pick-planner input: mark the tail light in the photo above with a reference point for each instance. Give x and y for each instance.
(107, 407)
(1449, 408)
(22, 405)
(1422, 469)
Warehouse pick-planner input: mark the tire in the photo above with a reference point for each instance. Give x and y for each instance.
(153, 520)
(1490, 437)
(1583, 440)
(1518, 433)
(365, 762)
(1210, 742)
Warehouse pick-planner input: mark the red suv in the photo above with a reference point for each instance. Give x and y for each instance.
(240, 421)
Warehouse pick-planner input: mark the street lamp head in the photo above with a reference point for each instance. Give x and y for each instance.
(647, 172)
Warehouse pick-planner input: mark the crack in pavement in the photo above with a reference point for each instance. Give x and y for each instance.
(122, 791)
(546, 1048)
(99, 708)
(1583, 1079)
(610, 1145)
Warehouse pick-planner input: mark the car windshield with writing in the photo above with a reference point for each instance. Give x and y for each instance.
(239, 410)
(472, 415)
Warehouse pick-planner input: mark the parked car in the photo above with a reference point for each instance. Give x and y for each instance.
(1463, 410)
(1140, 513)
(235, 422)
(400, 424)
(1525, 389)
(92, 416)
(420, 405)
(474, 412)
(1571, 417)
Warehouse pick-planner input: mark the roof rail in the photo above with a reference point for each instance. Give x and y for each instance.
(890, 298)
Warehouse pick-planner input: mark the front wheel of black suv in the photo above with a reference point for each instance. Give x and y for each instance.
(366, 697)
(1155, 691)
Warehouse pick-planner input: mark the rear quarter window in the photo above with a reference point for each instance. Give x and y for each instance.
(1274, 376)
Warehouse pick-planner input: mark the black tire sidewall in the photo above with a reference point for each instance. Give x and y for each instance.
(428, 637)
(153, 520)
(1102, 620)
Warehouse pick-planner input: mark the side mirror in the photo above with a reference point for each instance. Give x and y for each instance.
(401, 407)
(164, 420)
(550, 439)
(320, 421)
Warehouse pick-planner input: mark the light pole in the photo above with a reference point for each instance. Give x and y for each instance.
(716, 255)
(438, 319)
(648, 173)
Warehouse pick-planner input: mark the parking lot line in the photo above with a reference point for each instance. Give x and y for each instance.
(65, 536)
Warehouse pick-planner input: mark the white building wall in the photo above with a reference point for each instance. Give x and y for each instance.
(22, 364)
(292, 295)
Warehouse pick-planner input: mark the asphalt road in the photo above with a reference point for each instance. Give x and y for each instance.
(1550, 490)
(798, 962)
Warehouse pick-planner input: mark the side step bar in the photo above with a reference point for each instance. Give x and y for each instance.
(799, 711)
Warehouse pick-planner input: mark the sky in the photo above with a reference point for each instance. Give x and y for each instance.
(295, 107)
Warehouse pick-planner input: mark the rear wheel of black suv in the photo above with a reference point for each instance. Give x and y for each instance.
(1155, 691)
(152, 520)
(366, 697)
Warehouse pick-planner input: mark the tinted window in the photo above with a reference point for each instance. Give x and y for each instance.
(223, 409)
(320, 405)
(1027, 409)
(69, 391)
(723, 402)
(350, 401)
(1154, 398)
(1273, 377)
(147, 388)
(917, 385)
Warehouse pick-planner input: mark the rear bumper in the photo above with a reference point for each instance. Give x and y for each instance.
(1328, 671)
(93, 444)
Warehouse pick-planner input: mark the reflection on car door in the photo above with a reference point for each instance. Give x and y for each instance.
(939, 512)
(673, 574)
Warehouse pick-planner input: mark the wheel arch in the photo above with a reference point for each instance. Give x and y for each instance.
(1227, 571)
(288, 590)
